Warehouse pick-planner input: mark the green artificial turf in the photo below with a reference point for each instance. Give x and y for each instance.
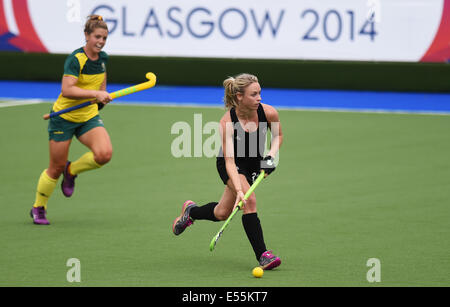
(349, 187)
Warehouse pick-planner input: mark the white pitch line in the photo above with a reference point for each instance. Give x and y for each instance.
(285, 108)
(13, 103)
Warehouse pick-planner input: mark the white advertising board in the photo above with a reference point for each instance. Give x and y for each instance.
(365, 30)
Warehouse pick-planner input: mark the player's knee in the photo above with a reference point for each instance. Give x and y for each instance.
(56, 169)
(103, 156)
(251, 202)
(221, 214)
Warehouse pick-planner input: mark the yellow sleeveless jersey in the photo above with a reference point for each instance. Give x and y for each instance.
(90, 75)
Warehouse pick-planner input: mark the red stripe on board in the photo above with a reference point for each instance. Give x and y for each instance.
(28, 40)
(3, 24)
(439, 50)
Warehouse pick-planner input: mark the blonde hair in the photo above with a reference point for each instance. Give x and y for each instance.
(234, 85)
(93, 22)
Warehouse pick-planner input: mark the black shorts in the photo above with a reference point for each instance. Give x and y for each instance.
(249, 168)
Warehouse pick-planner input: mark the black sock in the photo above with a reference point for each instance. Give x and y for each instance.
(205, 212)
(254, 233)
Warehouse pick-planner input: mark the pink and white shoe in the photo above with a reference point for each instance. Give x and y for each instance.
(269, 261)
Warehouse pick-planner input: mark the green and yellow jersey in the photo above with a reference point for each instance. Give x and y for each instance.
(90, 75)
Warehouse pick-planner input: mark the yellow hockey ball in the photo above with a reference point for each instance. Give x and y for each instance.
(258, 272)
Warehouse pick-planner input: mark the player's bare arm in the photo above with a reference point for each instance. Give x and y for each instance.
(275, 127)
(70, 90)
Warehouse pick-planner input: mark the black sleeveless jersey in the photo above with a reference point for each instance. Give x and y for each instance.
(248, 146)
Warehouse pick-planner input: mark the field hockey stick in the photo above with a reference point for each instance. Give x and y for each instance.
(123, 92)
(238, 207)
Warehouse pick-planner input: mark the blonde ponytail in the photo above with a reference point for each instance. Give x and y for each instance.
(234, 85)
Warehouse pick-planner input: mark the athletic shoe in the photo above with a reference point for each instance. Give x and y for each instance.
(184, 220)
(68, 183)
(38, 215)
(268, 261)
